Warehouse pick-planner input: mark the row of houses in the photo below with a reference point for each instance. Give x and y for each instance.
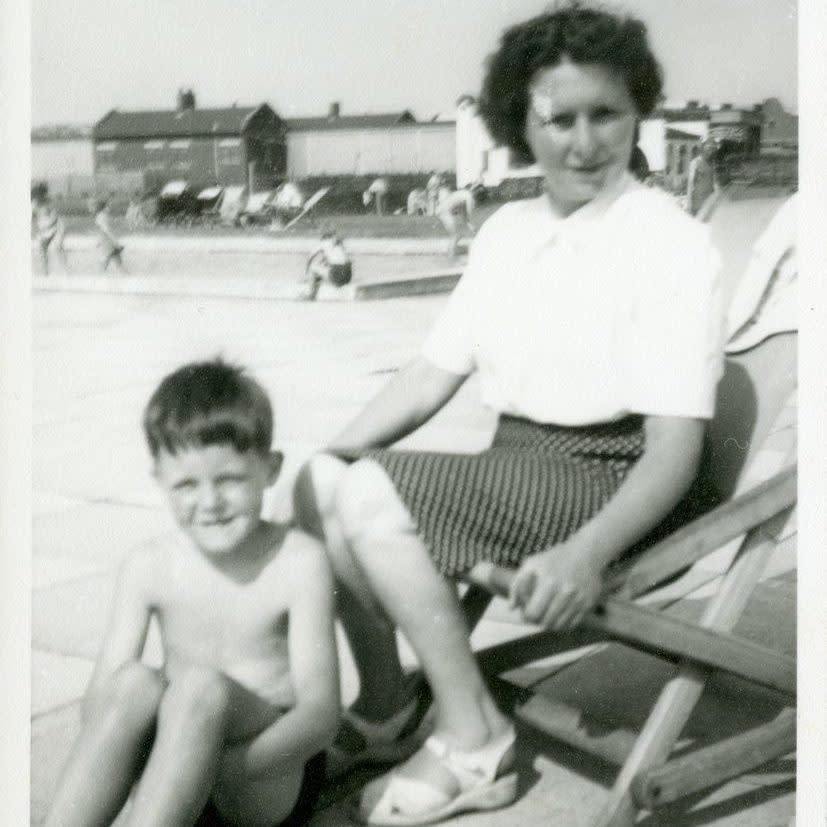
(250, 145)
(254, 145)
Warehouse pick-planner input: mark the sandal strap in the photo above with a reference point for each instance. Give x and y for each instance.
(381, 732)
(472, 767)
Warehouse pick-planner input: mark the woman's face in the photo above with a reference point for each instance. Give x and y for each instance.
(580, 127)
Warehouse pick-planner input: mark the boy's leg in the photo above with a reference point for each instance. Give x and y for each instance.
(43, 245)
(110, 752)
(61, 249)
(267, 799)
(201, 709)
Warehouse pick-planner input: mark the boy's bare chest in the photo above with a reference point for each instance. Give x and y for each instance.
(213, 618)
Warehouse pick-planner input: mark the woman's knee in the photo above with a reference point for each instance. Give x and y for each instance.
(368, 505)
(314, 492)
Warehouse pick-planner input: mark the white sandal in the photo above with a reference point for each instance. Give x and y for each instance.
(386, 742)
(406, 802)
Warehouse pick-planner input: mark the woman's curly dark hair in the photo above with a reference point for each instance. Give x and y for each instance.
(583, 35)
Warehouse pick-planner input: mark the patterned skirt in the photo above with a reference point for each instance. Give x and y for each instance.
(533, 487)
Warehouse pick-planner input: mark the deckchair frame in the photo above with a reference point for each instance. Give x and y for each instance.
(647, 778)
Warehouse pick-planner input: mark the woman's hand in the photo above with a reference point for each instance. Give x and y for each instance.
(558, 587)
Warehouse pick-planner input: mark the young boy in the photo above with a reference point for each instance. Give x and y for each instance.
(330, 262)
(49, 228)
(107, 240)
(248, 696)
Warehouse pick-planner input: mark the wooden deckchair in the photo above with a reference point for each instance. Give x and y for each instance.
(754, 508)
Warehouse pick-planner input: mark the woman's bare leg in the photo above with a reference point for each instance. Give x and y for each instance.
(393, 559)
(371, 637)
(110, 752)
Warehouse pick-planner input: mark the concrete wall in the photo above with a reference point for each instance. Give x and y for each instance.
(399, 149)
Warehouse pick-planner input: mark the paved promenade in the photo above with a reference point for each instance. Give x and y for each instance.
(97, 357)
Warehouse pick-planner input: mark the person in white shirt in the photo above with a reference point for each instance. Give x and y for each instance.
(592, 315)
(376, 192)
(454, 208)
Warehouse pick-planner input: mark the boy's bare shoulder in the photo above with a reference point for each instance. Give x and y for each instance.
(148, 563)
(304, 556)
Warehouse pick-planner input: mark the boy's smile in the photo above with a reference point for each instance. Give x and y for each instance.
(216, 493)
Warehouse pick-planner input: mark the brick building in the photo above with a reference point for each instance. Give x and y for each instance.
(230, 145)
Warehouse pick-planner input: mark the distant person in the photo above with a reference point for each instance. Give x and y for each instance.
(417, 203)
(50, 230)
(702, 181)
(376, 192)
(455, 209)
(432, 187)
(288, 202)
(135, 218)
(108, 242)
(329, 263)
(248, 697)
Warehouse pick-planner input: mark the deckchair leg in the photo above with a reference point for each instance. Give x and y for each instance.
(681, 694)
(718, 762)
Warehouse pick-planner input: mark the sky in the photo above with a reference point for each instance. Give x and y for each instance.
(90, 56)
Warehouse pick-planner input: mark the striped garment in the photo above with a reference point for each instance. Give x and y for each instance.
(533, 487)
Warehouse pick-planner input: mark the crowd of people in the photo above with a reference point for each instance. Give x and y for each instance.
(593, 317)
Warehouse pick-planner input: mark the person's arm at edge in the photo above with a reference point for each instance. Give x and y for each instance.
(558, 586)
(310, 726)
(405, 403)
(128, 622)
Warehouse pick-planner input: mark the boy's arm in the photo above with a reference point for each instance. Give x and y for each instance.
(310, 726)
(128, 623)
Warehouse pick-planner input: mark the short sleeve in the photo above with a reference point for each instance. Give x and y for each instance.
(451, 343)
(676, 357)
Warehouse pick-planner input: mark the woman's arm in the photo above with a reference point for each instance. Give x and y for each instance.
(409, 400)
(558, 586)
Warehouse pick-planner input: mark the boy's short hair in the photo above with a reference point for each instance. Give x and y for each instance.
(208, 403)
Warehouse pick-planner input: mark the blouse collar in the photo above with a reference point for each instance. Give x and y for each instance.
(581, 222)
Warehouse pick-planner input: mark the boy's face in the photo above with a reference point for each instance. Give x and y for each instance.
(216, 493)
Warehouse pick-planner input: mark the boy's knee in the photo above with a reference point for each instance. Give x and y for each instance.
(367, 502)
(133, 691)
(198, 692)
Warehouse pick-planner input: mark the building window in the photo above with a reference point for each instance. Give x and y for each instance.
(229, 151)
(181, 144)
(106, 146)
(681, 159)
(154, 145)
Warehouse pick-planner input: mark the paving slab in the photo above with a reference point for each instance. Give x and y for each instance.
(57, 680)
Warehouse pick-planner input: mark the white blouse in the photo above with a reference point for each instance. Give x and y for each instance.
(615, 309)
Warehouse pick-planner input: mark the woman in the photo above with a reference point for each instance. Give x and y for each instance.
(592, 316)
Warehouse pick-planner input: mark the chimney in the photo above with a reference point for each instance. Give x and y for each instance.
(186, 99)
(333, 112)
